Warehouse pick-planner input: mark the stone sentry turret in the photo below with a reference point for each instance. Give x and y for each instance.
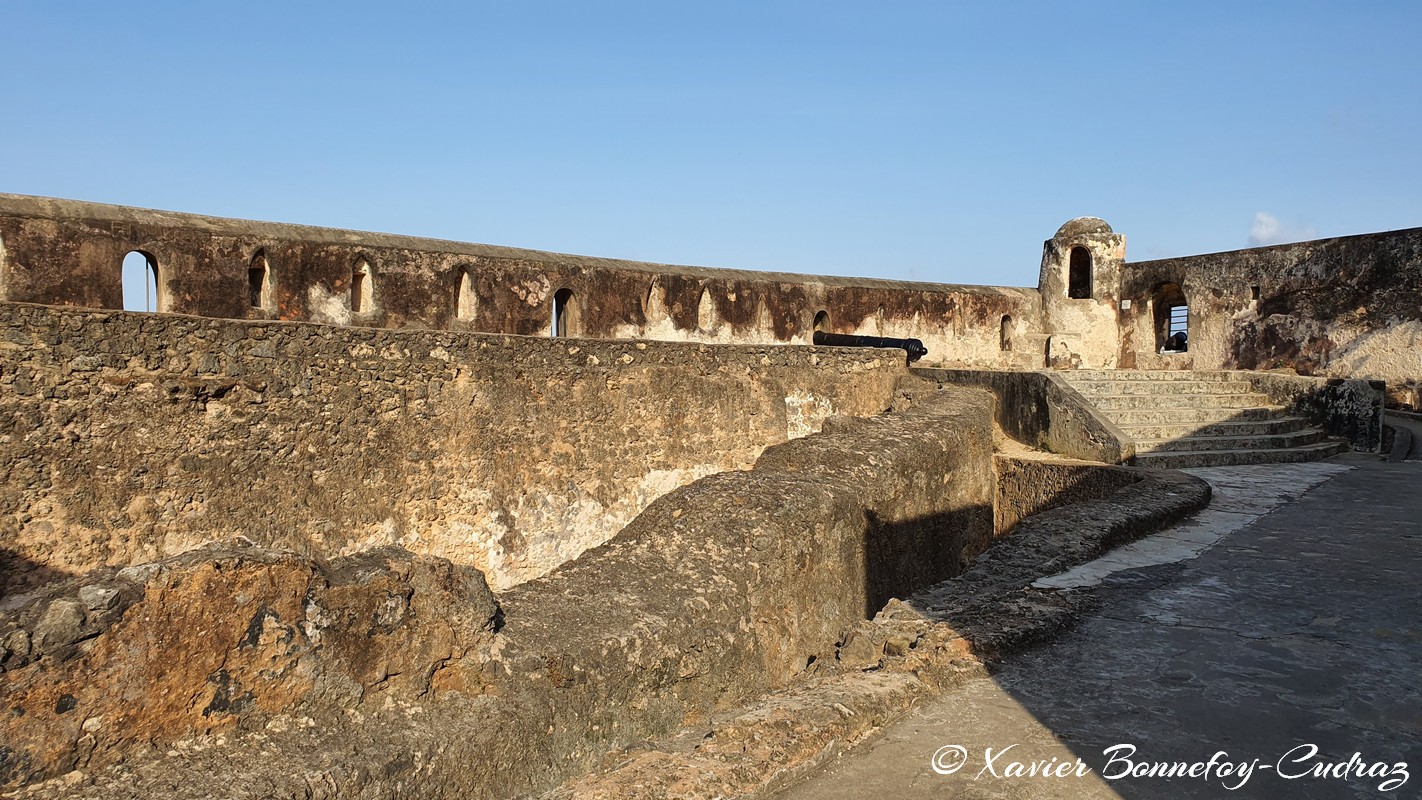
(1080, 285)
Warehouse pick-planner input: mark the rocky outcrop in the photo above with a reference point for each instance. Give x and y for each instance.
(223, 640)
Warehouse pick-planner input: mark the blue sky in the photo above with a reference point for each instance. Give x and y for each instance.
(926, 141)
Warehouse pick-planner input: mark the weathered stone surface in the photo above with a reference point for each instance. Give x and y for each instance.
(720, 591)
(742, 581)
(98, 598)
(1343, 307)
(15, 644)
(1042, 410)
(506, 453)
(62, 623)
(1030, 483)
(757, 751)
(734, 586)
(863, 647)
(993, 605)
(1351, 409)
(1081, 330)
(63, 252)
(228, 638)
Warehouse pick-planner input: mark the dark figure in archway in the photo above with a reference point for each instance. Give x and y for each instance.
(1178, 342)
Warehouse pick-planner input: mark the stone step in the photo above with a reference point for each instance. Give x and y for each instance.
(1161, 388)
(1072, 376)
(1178, 402)
(1188, 459)
(1177, 430)
(1184, 418)
(1278, 441)
(1180, 416)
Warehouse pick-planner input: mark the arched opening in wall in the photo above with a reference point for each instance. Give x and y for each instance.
(653, 308)
(822, 321)
(140, 282)
(1079, 274)
(1172, 318)
(705, 311)
(565, 314)
(362, 287)
(466, 301)
(1004, 341)
(879, 322)
(259, 281)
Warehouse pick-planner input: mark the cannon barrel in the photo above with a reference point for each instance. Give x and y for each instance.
(914, 347)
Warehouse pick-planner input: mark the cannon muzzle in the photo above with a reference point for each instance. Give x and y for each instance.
(914, 347)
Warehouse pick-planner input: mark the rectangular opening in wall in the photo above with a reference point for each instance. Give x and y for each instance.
(1179, 319)
(258, 282)
(1079, 274)
(565, 314)
(1177, 334)
(1254, 293)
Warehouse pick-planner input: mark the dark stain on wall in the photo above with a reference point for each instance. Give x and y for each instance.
(738, 303)
(680, 296)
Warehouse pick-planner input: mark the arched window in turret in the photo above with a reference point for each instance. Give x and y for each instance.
(1079, 274)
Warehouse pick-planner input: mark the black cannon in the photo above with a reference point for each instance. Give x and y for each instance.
(914, 347)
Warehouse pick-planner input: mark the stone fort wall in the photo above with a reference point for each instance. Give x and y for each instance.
(137, 436)
(131, 437)
(1344, 307)
(59, 252)
(434, 411)
(1349, 307)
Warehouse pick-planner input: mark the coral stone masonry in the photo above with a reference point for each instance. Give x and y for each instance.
(357, 514)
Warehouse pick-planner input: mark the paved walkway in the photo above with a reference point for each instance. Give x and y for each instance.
(1291, 644)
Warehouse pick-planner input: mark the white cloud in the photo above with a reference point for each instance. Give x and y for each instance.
(1268, 229)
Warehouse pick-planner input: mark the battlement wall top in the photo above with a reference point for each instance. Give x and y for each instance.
(59, 209)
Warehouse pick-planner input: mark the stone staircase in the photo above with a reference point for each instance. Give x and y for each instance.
(1186, 418)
